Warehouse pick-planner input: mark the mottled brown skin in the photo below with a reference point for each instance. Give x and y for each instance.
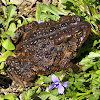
(47, 47)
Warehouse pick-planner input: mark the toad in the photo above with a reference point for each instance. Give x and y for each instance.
(46, 48)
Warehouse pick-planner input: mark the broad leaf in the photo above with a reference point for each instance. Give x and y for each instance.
(11, 11)
(8, 45)
(2, 65)
(45, 95)
(6, 54)
(1, 20)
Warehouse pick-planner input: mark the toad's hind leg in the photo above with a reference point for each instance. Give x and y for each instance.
(21, 74)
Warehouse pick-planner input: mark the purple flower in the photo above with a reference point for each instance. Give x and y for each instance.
(4, 2)
(57, 84)
(40, 21)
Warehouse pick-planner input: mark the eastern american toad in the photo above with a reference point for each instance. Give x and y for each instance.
(47, 47)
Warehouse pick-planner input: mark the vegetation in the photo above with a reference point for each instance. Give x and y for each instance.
(86, 84)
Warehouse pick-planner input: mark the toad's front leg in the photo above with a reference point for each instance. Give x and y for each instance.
(66, 66)
(65, 63)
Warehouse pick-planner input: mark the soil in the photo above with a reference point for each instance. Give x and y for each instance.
(30, 6)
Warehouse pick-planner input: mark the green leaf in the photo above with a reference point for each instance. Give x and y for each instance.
(2, 65)
(45, 12)
(84, 61)
(74, 2)
(96, 93)
(86, 74)
(1, 20)
(4, 11)
(86, 67)
(92, 97)
(94, 81)
(6, 54)
(8, 45)
(47, 79)
(81, 79)
(62, 97)
(54, 8)
(92, 10)
(11, 34)
(38, 90)
(79, 85)
(40, 80)
(93, 54)
(95, 43)
(88, 61)
(45, 95)
(45, 8)
(19, 21)
(1, 98)
(38, 12)
(96, 16)
(53, 97)
(98, 71)
(54, 92)
(30, 19)
(27, 95)
(12, 27)
(10, 97)
(11, 11)
(11, 30)
(47, 17)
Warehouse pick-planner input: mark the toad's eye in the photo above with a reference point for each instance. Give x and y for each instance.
(79, 34)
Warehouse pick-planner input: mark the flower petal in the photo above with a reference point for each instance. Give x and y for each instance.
(40, 21)
(60, 89)
(51, 86)
(4, 2)
(65, 83)
(55, 78)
